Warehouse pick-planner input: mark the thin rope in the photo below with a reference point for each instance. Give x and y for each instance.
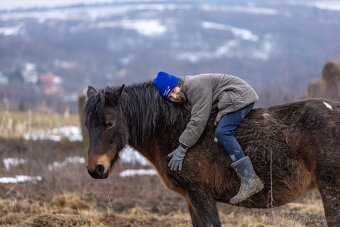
(273, 121)
(271, 187)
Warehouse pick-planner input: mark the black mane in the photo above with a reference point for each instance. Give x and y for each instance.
(146, 112)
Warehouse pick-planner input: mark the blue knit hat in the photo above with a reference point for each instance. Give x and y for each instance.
(165, 82)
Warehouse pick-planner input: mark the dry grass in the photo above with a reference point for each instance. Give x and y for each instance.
(15, 124)
(79, 212)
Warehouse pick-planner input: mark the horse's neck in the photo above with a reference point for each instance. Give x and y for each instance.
(152, 126)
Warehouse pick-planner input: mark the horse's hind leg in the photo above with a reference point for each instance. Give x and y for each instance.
(203, 210)
(328, 182)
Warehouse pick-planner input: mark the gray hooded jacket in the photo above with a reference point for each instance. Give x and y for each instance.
(206, 92)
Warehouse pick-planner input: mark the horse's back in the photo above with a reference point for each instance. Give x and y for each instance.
(280, 142)
(315, 122)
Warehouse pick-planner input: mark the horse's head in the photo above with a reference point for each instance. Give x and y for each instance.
(108, 132)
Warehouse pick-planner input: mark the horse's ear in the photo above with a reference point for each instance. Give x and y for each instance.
(119, 91)
(91, 91)
(112, 98)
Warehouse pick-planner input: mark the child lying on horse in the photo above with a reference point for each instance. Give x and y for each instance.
(233, 98)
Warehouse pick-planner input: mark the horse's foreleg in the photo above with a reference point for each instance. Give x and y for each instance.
(196, 222)
(203, 210)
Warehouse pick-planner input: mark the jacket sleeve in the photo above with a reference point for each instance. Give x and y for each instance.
(201, 104)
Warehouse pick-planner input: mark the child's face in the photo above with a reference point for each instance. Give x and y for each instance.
(174, 95)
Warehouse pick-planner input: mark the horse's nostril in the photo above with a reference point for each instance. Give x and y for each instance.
(99, 169)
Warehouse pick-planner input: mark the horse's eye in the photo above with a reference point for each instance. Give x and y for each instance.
(109, 124)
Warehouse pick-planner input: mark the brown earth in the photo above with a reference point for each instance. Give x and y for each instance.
(68, 196)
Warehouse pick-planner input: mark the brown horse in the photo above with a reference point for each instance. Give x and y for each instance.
(292, 146)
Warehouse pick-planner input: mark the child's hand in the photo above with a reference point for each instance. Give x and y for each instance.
(177, 157)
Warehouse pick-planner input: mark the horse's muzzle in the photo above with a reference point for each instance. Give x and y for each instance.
(98, 172)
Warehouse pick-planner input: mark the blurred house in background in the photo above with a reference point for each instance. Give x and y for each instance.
(329, 85)
(29, 73)
(50, 84)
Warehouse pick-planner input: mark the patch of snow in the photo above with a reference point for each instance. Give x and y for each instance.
(139, 172)
(10, 4)
(326, 5)
(8, 162)
(68, 160)
(323, 5)
(224, 50)
(92, 13)
(238, 32)
(130, 155)
(265, 50)
(240, 9)
(232, 49)
(145, 27)
(11, 31)
(72, 133)
(155, 5)
(19, 179)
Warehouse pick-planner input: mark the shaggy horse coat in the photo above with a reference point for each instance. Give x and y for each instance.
(292, 146)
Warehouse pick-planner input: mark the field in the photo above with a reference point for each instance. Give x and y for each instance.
(63, 194)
